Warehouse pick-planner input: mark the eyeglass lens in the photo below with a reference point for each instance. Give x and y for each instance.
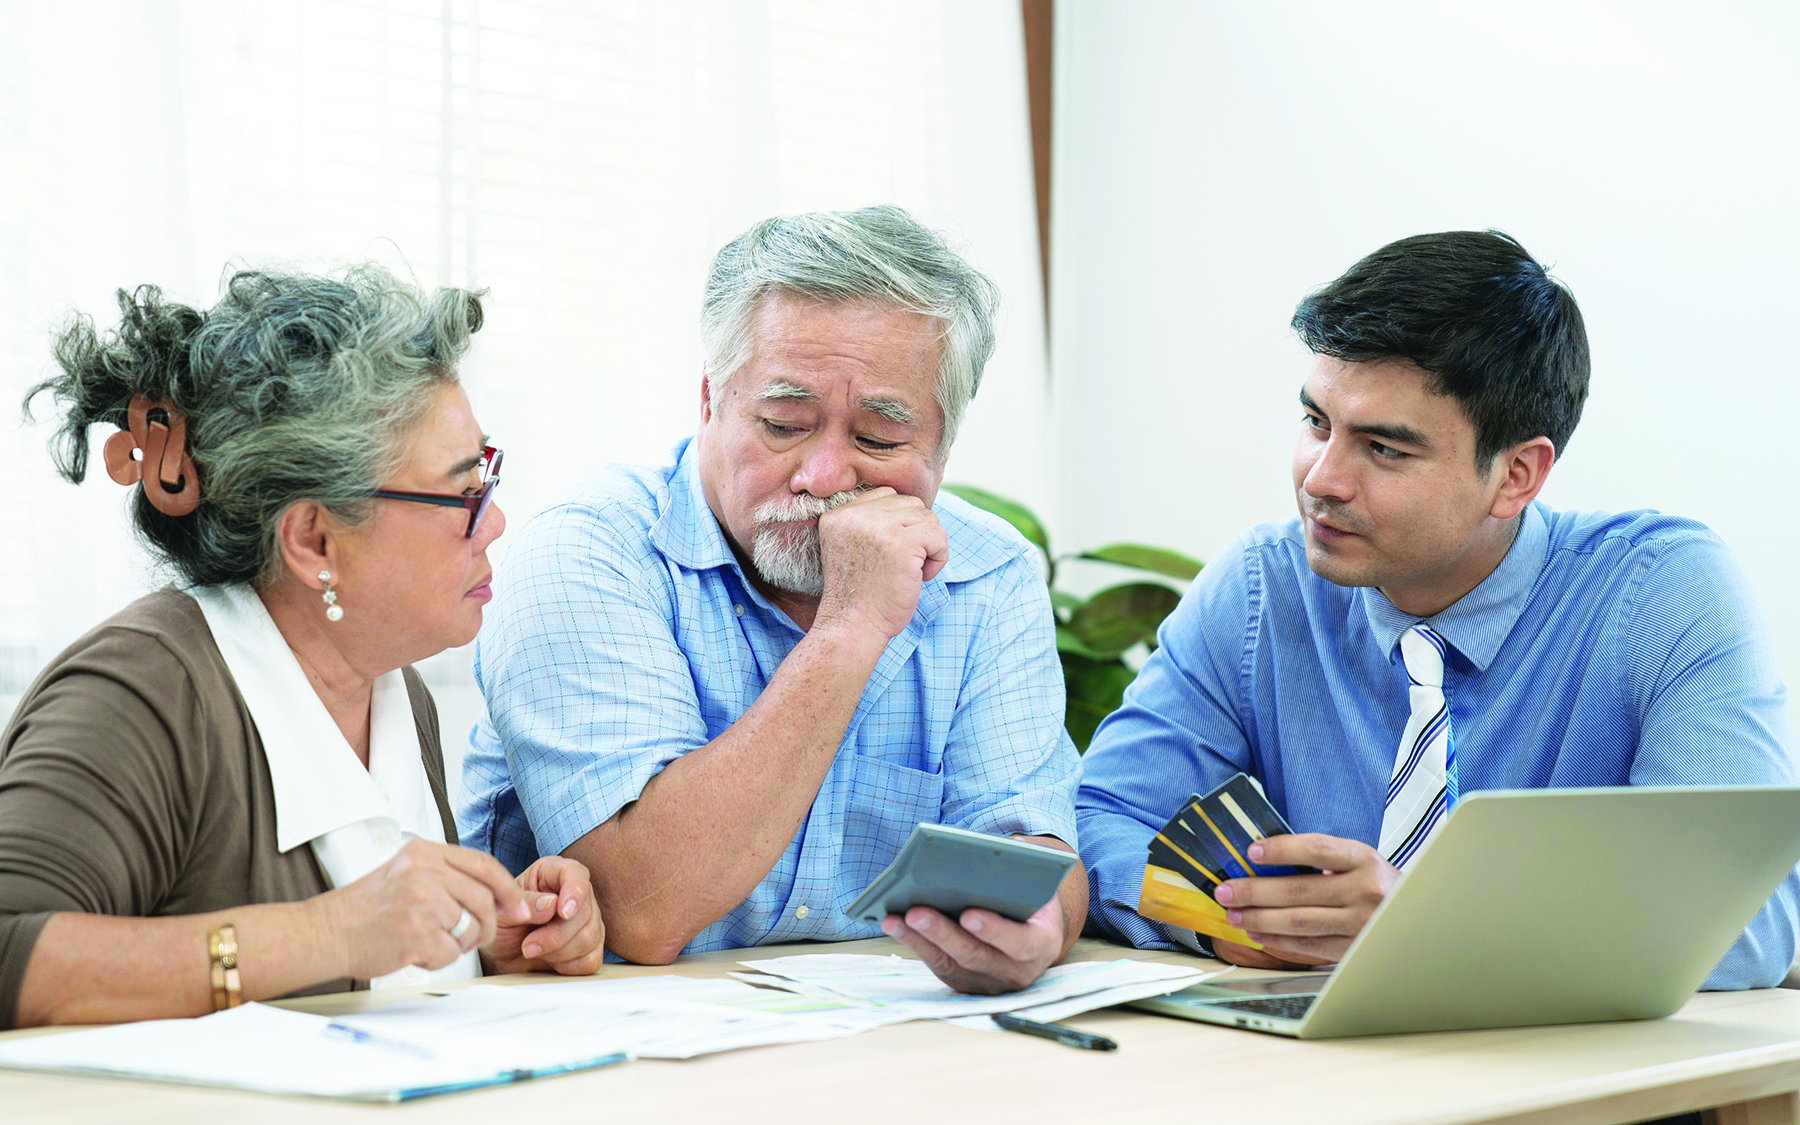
(490, 479)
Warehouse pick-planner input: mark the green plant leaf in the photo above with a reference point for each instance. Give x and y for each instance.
(1068, 642)
(1095, 689)
(1064, 604)
(1120, 616)
(1154, 559)
(1014, 513)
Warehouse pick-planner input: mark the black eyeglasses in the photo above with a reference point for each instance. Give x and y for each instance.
(476, 500)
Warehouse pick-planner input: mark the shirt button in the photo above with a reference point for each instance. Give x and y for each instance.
(801, 911)
(738, 609)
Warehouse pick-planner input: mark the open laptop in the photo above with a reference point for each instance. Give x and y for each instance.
(1539, 906)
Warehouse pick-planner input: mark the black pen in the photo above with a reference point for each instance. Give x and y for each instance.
(1062, 1035)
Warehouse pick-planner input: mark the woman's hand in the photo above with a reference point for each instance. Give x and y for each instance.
(564, 932)
(402, 912)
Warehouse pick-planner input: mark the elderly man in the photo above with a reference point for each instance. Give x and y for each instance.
(732, 685)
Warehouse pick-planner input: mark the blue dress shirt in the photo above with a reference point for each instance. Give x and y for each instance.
(624, 634)
(1603, 650)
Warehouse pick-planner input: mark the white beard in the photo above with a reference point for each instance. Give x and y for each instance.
(785, 549)
(787, 558)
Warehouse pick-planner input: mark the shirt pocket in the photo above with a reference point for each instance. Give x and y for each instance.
(884, 803)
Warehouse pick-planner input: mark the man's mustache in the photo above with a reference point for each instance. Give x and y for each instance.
(1335, 515)
(804, 506)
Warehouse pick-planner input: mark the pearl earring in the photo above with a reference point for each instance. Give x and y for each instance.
(333, 611)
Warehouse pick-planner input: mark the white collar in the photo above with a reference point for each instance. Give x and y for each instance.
(319, 784)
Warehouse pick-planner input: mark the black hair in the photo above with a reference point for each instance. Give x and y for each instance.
(1479, 315)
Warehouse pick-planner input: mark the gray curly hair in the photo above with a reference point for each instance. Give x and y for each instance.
(875, 254)
(295, 387)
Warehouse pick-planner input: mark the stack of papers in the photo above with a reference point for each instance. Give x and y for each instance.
(272, 1050)
(481, 1036)
(488, 1035)
(662, 1017)
(907, 989)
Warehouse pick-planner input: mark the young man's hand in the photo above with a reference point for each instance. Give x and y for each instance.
(1304, 920)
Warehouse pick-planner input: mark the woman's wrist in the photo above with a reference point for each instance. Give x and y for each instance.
(321, 939)
(222, 952)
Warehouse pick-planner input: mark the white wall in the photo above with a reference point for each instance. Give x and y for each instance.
(1215, 161)
(582, 161)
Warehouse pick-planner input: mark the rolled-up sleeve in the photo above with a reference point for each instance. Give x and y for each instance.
(1009, 766)
(588, 694)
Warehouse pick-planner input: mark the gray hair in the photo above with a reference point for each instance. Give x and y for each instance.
(875, 254)
(295, 387)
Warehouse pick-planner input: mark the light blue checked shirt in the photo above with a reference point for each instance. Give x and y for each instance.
(624, 634)
(1603, 650)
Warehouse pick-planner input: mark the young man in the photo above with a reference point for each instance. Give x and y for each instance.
(1556, 648)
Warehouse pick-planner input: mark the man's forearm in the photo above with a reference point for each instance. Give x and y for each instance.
(707, 829)
(1072, 895)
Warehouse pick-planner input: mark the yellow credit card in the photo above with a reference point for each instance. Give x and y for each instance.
(1168, 896)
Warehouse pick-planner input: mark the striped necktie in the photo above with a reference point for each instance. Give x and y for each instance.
(1423, 788)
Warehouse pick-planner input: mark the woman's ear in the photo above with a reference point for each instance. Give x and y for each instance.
(307, 537)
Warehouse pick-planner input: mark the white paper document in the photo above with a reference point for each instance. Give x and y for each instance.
(257, 1047)
(663, 1017)
(897, 985)
(489, 1034)
(479, 1036)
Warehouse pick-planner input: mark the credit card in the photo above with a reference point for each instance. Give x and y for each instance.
(1168, 896)
(1239, 815)
(1249, 810)
(1206, 842)
(1172, 856)
(1181, 834)
(1212, 839)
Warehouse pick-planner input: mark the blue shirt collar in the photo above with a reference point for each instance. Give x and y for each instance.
(690, 535)
(687, 532)
(1476, 624)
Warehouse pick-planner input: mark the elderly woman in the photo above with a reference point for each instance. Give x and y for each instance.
(233, 788)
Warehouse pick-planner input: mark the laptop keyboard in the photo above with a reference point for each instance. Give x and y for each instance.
(1281, 1007)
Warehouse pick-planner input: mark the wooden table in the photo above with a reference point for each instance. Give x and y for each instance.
(1737, 1050)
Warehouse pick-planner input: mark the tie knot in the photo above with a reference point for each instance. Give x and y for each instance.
(1423, 651)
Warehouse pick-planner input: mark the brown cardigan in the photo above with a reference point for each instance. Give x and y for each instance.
(133, 783)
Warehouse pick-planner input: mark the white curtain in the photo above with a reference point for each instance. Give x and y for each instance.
(581, 160)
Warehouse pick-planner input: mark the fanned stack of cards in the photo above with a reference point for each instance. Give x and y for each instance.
(1206, 842)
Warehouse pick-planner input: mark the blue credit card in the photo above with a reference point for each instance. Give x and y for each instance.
(1238, 815)
(1208, 838)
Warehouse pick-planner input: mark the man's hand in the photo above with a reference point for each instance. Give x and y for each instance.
(983, 952)
(986, 953)
(876, 551)
(564, 933)
(1305, 920)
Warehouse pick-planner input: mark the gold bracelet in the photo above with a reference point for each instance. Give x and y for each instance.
(222, 945)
